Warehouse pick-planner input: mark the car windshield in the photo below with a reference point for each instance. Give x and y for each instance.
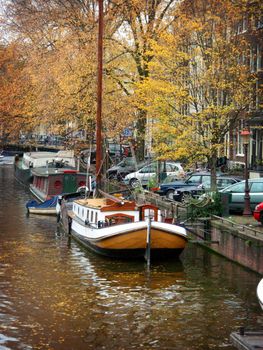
(236, 188)
(170, 178)
(194, 179)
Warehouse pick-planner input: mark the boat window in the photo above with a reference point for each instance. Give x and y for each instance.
(119, 219)
(83, 212)
(148, 212)
(96, 217)
(88, 214)
(91, 216)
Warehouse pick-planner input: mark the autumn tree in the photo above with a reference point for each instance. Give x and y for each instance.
(200, 82)
(13, 86)
(139, 22)
(60, 39)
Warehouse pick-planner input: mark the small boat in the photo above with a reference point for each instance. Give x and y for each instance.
(49, 182)
(32, 160)
(260, 293)
(119, 228)
(46, 208)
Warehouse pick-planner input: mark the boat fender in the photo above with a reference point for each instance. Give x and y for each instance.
(16, 158)
(60, 199)
(69, 225)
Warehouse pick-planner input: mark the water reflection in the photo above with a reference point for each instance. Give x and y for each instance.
(56, 295)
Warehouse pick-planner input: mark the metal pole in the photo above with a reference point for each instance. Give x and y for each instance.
(148, 241)
(247, 209)
(99, 98)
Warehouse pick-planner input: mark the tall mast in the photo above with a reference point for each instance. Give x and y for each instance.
(99, 98)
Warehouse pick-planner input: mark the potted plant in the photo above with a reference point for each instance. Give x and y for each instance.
(153, 183)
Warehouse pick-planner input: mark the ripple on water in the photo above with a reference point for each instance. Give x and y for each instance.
(56, 295)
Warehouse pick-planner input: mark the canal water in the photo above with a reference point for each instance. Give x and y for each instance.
(55, 295)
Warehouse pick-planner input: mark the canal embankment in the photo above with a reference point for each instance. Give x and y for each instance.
(238, 238)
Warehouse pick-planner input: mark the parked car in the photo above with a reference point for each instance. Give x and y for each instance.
(237, 192)
(258, 212)
(149, 171)
(168, 179)
(183, 193)
(195, 179)
(123, 168)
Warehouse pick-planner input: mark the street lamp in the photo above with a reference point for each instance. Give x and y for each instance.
(245, 135)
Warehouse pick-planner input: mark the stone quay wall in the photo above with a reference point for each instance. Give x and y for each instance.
(238, 243)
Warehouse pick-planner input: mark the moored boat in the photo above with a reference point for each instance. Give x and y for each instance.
(46, 208)
(31, 160)
(119, 228)
(49, 182)
(260, 293)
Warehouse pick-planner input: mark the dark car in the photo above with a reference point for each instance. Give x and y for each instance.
(123, 168)
(182, 194)
(196, 179)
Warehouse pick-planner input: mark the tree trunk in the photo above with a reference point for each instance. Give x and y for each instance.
(213, 170)
(141, 124)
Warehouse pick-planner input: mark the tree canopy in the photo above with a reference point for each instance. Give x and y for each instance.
(180, 66)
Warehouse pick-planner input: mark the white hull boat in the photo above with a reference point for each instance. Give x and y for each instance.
(121, 229)
(260, 293)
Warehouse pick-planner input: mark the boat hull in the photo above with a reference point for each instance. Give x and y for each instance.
(131, 242)
(260, 293)
(22, 175)
(42, 211)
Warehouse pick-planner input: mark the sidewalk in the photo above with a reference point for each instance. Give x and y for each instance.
(246, 220)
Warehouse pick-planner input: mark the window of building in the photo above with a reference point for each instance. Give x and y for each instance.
(258, 95)
(259, 57)
(259, 22)
(253, 60)
(242, 25)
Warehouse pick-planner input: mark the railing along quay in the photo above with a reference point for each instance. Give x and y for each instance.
(174, 209)
(245, 228)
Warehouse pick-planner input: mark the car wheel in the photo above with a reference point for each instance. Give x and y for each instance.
(185, 197)
(170, 194)
(134, 183)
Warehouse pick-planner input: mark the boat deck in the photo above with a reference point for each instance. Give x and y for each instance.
(247, 340)
(92, 202)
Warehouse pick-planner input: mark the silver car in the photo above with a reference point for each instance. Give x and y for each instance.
(149, 171)
(237, 192)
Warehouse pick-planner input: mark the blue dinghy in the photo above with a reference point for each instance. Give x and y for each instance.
(46, 208)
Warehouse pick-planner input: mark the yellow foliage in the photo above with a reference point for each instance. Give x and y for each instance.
(196, 90)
